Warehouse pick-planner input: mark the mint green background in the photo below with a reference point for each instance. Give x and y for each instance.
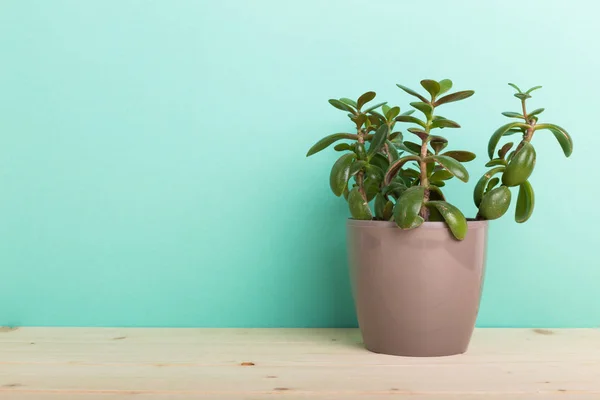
(152, 168)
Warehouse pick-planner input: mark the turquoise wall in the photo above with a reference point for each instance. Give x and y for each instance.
(152, 168)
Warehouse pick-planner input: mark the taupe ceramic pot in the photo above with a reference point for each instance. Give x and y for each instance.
(417, 292)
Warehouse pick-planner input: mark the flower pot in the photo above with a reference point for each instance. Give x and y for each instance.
(416, 291)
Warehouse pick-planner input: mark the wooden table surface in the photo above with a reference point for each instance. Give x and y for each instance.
(157, 364)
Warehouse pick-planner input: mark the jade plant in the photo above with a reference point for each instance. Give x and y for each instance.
(492, 195)
(403, 180)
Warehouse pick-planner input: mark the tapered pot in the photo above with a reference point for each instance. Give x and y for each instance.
(416, 291)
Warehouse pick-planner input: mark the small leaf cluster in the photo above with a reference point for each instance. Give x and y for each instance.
(402, 178)
(492, 193)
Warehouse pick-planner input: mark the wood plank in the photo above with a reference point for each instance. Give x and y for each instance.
(91, 363)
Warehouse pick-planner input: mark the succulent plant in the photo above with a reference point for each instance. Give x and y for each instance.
(492, 194)
(404, 179)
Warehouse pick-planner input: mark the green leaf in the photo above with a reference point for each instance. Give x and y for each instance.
(513, 131)
(408, 118)
(532, 89)
(495, 138)
(525, 202)
(511, 114)
(388, 211)
(438, 143)
(395, 135)
(492, 184)
(374, 172)
(441, 175)
(522, 96)
(365, 98)
(348, 102)
(328, 140)
(535, 112)
(376, 106)
(438, 183)
(482, 184)
(413, 147)
(379, 160)
(460, 155)
(392, 151)
(360, 151)
(343, 147)
(444, 123)
(445, 85)
(359, 208)
(431, 86)
(395, 167)
(425, 108)
(395, 188)
(340, 173)
(454, 97)
(564, 139)
(515, 86)
(495, 203)
(385, 108)
(452, 166)
(378, 140)
(419, 132)
(357, 166)
(412, 92)
(520, 166)
(454, 218)
(380, 202)
(341, 106)
(408, 207)
(496, 161)
(392, 113)
(372, 187)
(435, 193)
(504, 149)
(409, 112)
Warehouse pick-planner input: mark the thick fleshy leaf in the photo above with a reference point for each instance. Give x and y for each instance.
(511, 114)
(328, 140)
(385, 108)
(341, 106)
(340, 173)
(395, 167)
(409, 112)
(520, 166)
(504, 149)
(372, 187)
(532, 89)
(482, 184)
(395, 189)
(357, 166)
(492, 184)
(349, 102)
(515, 86)
(431, 86)
(364, 99)
(379, 205)
(378, 140)
(525, 202)
(412, 92)
(444, 123)
(435, 193)
(437, 183)
(359, 208)
(460, 155)
(392, 151)
(496, 161)
(513, 131)
(453, 216)
(419, 132)
(522, 96)
(452, 165)
(360, 151)
(408, 118)
(408, 207)
(445, 85)
(374, 172)
(343, 147)
(441, 175)
(392, 113)
(438, 143)
(536, 112)
(495, 138)
(564, 139)
(413, 147)
(388, 211)
(376, 106)
(380, 161)
(495, 203)
(360, 119)
(454, 97)
(425, 108)
(395, 135)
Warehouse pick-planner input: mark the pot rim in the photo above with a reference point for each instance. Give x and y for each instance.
(471, 224)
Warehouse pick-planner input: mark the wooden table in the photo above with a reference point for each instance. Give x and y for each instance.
(157, 364)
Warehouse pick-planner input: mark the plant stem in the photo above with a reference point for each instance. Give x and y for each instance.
(424, 180)
(361, 175)
(529, 134)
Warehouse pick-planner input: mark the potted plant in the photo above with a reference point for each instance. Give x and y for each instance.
(417, 291)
